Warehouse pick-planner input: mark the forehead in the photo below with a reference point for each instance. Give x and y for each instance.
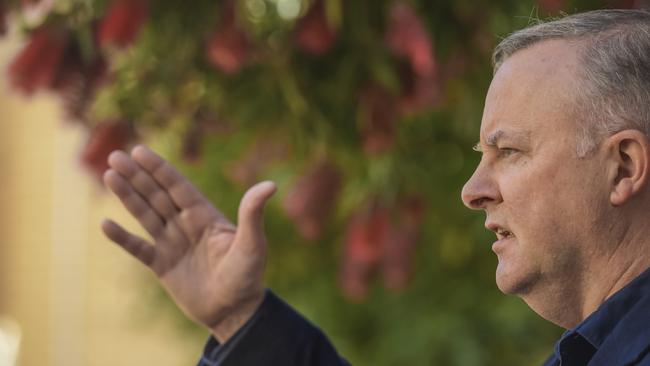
(533, 92)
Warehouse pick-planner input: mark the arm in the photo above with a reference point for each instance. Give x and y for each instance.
(212, 269)
(276, 335)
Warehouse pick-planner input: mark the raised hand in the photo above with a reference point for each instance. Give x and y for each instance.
(211, 268)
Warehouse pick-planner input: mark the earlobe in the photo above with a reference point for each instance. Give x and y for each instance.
(629, 149)
(621, 192)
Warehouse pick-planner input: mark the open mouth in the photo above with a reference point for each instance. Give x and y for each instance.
(504, 234)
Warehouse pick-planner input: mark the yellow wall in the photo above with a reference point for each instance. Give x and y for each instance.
(77, 298)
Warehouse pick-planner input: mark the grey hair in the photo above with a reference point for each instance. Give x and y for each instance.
(614, 49)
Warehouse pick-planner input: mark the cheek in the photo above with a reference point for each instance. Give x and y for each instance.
(550, 212)
(540, 203)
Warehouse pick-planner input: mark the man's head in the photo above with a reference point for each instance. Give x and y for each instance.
(565, 149)
(614, 51)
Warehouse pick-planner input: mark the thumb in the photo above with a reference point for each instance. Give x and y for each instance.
(250, 220)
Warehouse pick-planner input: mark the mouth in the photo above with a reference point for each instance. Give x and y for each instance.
(503, 237)
(504, 234)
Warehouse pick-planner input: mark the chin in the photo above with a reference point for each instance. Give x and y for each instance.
(514, 281)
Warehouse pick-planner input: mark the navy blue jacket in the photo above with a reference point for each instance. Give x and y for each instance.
(616, 334)
(275, 335)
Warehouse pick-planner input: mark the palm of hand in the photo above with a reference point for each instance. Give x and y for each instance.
(230, 279)
(212, 269)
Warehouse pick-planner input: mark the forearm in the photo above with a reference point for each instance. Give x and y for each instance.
(275, 335)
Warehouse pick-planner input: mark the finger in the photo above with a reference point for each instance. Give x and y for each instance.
(135, 245)
(250, 231)
(134, 203)
(144, 184)
(182, 192)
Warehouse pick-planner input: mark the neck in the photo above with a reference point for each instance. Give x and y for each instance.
(567, 302)
(614, 272)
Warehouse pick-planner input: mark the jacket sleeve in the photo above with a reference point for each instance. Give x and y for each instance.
(275, 335)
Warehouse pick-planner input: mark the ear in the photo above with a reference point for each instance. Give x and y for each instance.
(628, 151)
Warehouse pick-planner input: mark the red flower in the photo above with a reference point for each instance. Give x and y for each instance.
(313, 33)
(122, 22)
(37, 65)
(312, 199)
(366, 232)
(78, 79)
(399, 245)
(104, 139)
(80, 92)
(378, 119)
(378, 235)
(229, 47)
(407, 36)
(419, 91)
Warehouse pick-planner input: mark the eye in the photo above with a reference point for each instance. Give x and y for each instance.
(506, 151)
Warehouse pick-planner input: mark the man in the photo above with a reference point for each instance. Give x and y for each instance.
(564, 180)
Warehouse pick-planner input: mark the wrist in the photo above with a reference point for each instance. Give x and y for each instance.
(225, 329)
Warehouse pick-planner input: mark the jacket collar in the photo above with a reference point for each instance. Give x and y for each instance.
(620, 328)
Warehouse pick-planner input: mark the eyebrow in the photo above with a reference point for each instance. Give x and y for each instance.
(493, 138)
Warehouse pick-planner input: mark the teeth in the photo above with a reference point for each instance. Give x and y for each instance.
(504, 233)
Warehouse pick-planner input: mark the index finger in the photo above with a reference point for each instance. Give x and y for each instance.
(180, 189)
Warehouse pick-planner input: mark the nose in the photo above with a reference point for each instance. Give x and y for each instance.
(481, 190)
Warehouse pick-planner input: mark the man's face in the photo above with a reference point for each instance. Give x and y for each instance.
(543, 201)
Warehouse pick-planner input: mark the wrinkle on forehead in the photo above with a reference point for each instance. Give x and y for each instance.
(534, 90)
(549, 59)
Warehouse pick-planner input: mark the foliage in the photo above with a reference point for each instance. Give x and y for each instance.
(363, 112)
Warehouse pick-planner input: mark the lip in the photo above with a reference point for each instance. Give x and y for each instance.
(501, 244)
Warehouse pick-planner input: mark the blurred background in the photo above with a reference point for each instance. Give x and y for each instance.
(363, 112)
